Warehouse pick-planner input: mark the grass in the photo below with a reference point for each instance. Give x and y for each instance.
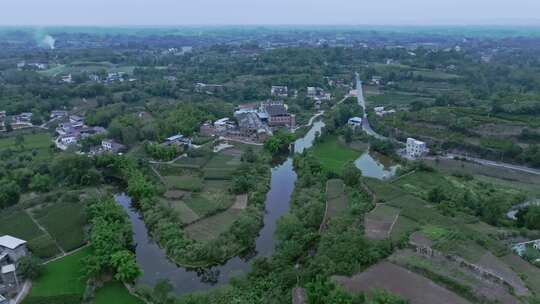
(62, 277)
(333, 155)
(209, 202)
(221, 166)
(186, 182)
(335, 197)
(20, 225)
(40, 142)
(210, 228)
(115, 292)
(185, 214)
(65, 222)
(404, 226)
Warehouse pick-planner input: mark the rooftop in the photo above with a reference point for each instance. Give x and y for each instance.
(10, 242)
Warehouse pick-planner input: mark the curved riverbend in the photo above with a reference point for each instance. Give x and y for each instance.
(156, 266)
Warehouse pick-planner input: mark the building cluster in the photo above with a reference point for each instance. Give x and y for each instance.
(415, 148)
(12, 250)
(380, 111)
(317, 93)
(279, 91)
(73, 130)
(254, 121)
(32, 65)
(109, 78)
(18, 121)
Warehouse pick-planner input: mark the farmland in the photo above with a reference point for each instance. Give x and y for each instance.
(380, 221)
(62, 277)
(40, 142)
(115, 290)
(390, 277)
(19, 224)
(333, 154)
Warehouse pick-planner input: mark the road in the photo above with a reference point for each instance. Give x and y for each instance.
(495, 163)
(362, 102)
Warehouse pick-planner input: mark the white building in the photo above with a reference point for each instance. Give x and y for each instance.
(14, 248)
(415, 148)
(279, 91)
(355, 122)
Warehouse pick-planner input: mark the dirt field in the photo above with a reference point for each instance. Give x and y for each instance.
(241, 202)
(390, 277)
(491, 262)
(380, 221)
(482, 289)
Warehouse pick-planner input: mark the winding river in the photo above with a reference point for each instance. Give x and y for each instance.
(157, 266)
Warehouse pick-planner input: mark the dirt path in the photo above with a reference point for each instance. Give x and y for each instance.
(45, 231)
(66, 254)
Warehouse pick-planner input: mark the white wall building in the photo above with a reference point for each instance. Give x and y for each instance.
(355, 122)
(15, 248)
(415, 148)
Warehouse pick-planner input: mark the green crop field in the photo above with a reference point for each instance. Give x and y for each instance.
(65, 222)
(19, 224)
(211, 227)
(62, 277)
(333, 155)
(116, 292)
(221, 166)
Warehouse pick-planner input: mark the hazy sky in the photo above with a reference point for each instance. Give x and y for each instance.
(350, 12)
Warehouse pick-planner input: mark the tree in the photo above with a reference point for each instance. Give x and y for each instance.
(9, 193)
(436, 195)
(351, 175)
(126, 266)
(162, 291)
(30, 267)
(348, 135)
(19, 141)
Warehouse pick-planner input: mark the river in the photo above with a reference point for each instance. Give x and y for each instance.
(156, 266)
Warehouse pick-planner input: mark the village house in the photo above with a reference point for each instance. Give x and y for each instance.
(12, 247)
(177, 140)
(208, 88)
(355, 122)
(376, 80)
(109, 145)
(276, 114)
(12, 250)
(207, 129)
(66, 79)
(23, 118)
(380, 111)
(318, 93)
(415, 148)
(55, 114)
(76, 121)
(250, 125)
(279, 91)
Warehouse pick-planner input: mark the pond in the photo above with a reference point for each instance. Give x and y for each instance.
(376, 166)
(156, 265)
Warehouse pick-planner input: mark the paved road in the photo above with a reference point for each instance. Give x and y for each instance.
(495, 163)
(362, 102)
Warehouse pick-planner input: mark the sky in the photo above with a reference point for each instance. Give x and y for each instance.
(268, 12)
